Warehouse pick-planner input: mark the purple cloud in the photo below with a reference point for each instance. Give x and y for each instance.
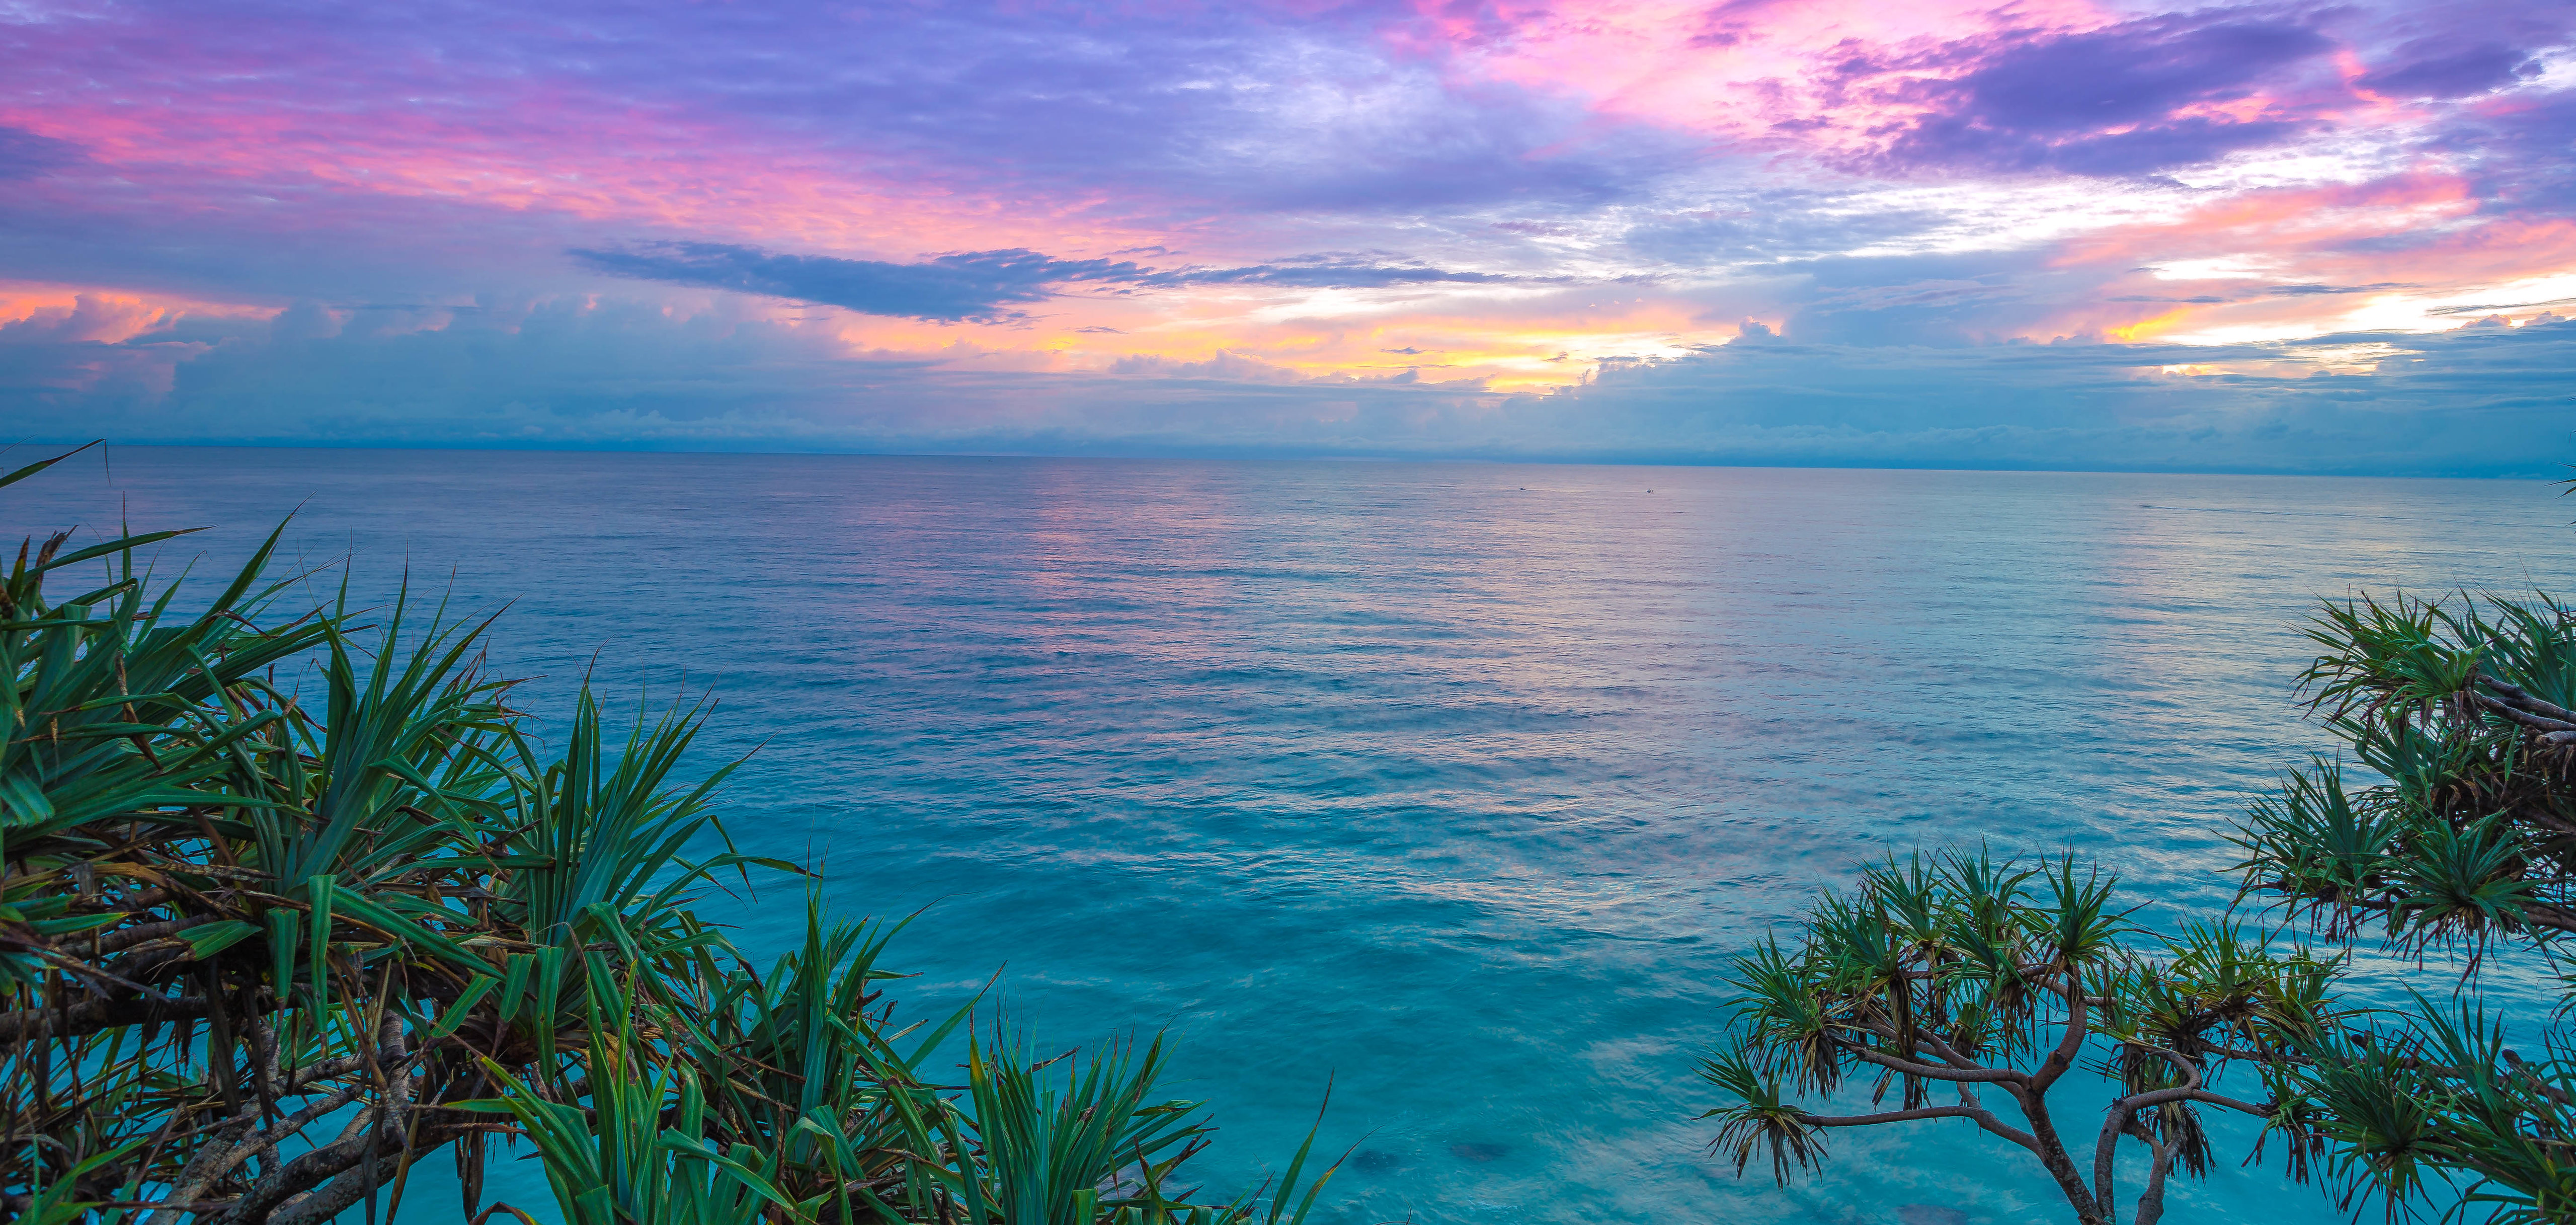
(972, 286)
(2432, 68)
(2106, 101)
(1334, 274)
(24, 154)
(979, 286)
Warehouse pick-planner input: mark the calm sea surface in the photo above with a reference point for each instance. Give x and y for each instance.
(1456, 785)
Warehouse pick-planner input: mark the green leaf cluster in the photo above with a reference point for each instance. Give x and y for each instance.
(2446, 828)
(292, 899)
(1968, 987)
(2449, 829)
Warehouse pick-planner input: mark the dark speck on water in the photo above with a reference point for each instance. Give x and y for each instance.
(1376, 1161)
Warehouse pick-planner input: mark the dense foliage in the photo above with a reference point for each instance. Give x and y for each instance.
(292, 904)
(1965, 976)
(2463, 844)
(1963, 979)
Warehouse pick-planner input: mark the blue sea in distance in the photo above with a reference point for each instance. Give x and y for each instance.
(1454, 785)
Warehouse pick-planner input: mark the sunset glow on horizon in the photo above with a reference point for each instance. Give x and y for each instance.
(1531, 229)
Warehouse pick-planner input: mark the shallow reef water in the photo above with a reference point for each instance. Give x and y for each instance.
(1453, 785)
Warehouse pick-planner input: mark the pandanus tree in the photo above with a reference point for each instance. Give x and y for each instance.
(2449, 830)
(2457, 837)
(1972, 988)
(290, 904)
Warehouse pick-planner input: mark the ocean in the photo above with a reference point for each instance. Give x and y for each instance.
(1453, 786)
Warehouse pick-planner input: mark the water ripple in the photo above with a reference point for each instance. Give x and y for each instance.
(1456, 783)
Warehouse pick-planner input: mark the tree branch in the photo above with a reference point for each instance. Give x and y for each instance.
(92, 1016)
(1969, 1075)
(2068, 1047)
(2522, 698)
(1982, 1117)
(2115, 1122)
(2151, 1202)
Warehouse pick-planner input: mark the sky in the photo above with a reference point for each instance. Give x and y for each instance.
(2332, 238)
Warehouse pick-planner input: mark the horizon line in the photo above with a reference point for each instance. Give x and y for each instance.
(1248, 455)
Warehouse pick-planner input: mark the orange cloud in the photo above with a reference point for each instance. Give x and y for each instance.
(77, 314)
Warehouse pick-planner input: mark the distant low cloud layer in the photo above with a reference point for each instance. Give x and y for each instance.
(2057, 233)
(2477, 401)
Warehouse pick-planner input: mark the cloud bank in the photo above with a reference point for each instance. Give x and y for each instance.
(2491, 400)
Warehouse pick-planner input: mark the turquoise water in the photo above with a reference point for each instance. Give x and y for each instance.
(1456, 784)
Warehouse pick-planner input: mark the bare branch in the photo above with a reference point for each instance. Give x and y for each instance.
(1969, 1075)
(1983, 1118)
